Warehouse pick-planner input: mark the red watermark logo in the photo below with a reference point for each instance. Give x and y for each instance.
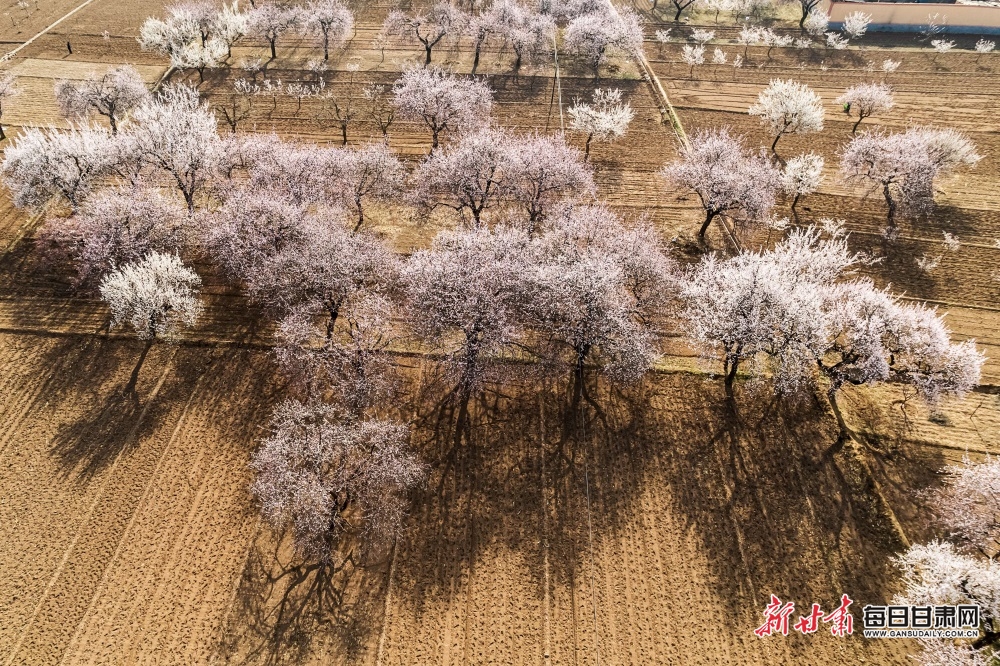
(777, 617)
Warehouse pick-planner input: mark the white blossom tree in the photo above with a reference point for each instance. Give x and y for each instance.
(606, 118)
(42, 164)
(331, 21)
(230, 25)
(269, 21)
(168, 37)
(693, 55)
(905, 165)
(8, 91)
(156, 296)
(177, 135)
(727, 178)
(788, 107)
(330, 477)
(427, 28)
(594, 35)
(802, 175)
(867, 100)
(816, 23)
(113, 95)
(199, 57)
(442, 101)
(856, 25)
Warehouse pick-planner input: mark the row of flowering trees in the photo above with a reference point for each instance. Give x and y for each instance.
(534, 270)
(198, 35)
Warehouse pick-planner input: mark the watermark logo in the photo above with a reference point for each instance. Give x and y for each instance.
(777, 616)
(937, 621)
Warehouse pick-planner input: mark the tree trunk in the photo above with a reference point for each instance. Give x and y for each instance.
(854, 129)
(795, 201)
(113, 123)
(677, 16)
(802, 21)
(586, 151)
(730, 378)
(891, 203)
(475, 57)
(274, 53)
(774, 145)
(334, 311)
(343, 133)
(2, 135)
(427, 57)
(130, 387)
(709, 216)
(326, 46)
(189, 199)
(361, 219)
(434, 139)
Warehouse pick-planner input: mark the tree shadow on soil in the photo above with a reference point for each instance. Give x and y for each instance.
(287, 610)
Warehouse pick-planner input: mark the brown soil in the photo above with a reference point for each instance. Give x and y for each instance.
(648, 530)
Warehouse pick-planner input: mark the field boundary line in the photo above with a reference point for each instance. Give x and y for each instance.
(90, 514)
(10, 54)
(131, 521)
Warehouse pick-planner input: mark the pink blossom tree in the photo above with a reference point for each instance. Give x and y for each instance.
(788, 107)
(466, 296)
(442, 101)
(727, 178)
(543, 172)
(905, 165)
(156, 295)
(329, 477)
(116, 227)
(867, 100)
(969, 504)
(42, 164)
(113, 95)
(330, 20)
(468, 177)
(428, 28)
(367, 174)
(595, 289)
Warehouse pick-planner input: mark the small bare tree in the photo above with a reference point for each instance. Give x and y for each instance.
(156, 296)
(380, 109)
(366, 174)
(788, 107)
(605, 119)
(867, 100)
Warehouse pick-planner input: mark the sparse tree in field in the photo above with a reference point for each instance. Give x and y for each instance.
(662, 37)
(867, 100)
(486, 25)
(529, 35)
(230, 25)
(808, 7)
(593, 36)
(856, 25)
(904, 165)
(329, 477)
(116, 227)
(680, 6)
(969, 504)
(442, 20)
(469, 176)
(466, 295)
(816, 23)
(719, 57)
(331, 21)
(802, 175)
(156, 296)
(340, 110)
(41, 164)
(200, 13)
(113, 95)
(984, 46)
(942, 46)
(594, 291)
(544, 172)
(773, 39)
(177, 134)
(693, 55)
(605, 119)
(239, 104)
(702, 37)
(270, 21)
(380, 108)
(888, 67)
(442, 101)
(170, 36)
(199, 57)
(8, 91)
(727, 178)
(365, 174)
(718, 6)
(754, 9)
(788, 107)
(836, 42)
(750, 35)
